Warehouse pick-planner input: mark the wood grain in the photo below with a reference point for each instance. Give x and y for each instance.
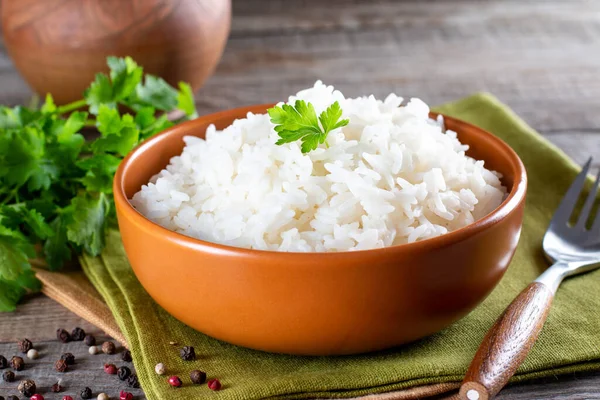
(507, 343)
(541, 57)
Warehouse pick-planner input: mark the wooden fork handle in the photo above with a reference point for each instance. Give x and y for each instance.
(507, 343)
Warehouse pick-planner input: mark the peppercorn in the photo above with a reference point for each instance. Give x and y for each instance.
(89, 340)
(25, 345)
(78, 334)
(37, 396)
(125, 395)
(63, 335)
(69, 358)
(8, 376)
(160, 369)
(175, 381)
(27, 387)
(123, 373)
(103, 396)
(188, 353)
(1, 397)
(93, 350)
(56, 388)
(126, 356)
(3, 362)
(198, 377)
(86, 393)
(33, 354)
(12, 398)
(67, 398)
(61, 366)
(133, 381)
(214, 384)
(17, 363)
(110, 369)
(108, 348)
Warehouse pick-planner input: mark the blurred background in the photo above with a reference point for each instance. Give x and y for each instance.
(541, 57)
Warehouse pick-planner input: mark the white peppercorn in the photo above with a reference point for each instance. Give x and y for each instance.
(160, 369)
(94, 350)
(32, 354)
(103, 396)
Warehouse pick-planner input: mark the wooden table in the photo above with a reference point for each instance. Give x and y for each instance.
(540, 57)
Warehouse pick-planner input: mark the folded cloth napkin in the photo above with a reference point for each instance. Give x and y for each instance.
(569, 342)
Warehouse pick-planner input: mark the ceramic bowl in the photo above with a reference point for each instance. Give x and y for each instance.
(58, 46)
(318, 303)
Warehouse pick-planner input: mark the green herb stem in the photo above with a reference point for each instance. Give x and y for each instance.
(71, 106)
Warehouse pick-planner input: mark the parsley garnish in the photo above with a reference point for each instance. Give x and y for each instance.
(299, 122)
(56, 187)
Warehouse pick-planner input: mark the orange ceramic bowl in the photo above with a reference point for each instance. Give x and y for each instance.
(318, 303)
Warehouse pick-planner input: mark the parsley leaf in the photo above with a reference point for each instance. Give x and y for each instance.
(185, 100)
(15, 251)
(300, 122)
(56, 248)
(87, 220)
(156, 92)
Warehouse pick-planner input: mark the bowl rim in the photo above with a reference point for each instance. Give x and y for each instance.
(510, 204)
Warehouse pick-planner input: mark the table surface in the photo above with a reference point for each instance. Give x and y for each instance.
(542, 58)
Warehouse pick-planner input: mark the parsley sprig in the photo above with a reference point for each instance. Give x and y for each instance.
(299, 122)
(56, 186)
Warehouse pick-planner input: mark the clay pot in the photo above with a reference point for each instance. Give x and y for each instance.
(59, 45)
(318, 303)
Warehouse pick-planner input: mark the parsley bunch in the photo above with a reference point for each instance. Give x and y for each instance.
(56, 186)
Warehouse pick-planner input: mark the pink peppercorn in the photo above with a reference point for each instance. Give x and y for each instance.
(214, 384)
(125, 395)
(67, 398)
(175, 381)
(37, 396)
(110, 369)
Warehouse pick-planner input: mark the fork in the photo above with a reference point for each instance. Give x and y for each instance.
(572, 249)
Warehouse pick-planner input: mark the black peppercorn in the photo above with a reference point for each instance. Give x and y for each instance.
(56, 388)
(8, 376)
(1, 397)
(198, 377)
(61, 366)
(12, 398)
(123, 373)
(3, 362)
(17, 363)
(86, 393)
(126, 356)
(109, 348)
(25, 345)
(69, 358)
(78, 334)
(90, 340)
(133, 382)
(63, 335)
(27, 387)
(188, 353)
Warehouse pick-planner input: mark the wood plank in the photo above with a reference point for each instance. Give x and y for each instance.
(541, 58)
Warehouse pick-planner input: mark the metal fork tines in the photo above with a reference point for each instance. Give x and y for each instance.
(567, 243)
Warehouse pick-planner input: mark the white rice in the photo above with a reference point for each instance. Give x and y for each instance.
(391, 176)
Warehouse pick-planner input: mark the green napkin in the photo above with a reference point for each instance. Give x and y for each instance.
(569, 342)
